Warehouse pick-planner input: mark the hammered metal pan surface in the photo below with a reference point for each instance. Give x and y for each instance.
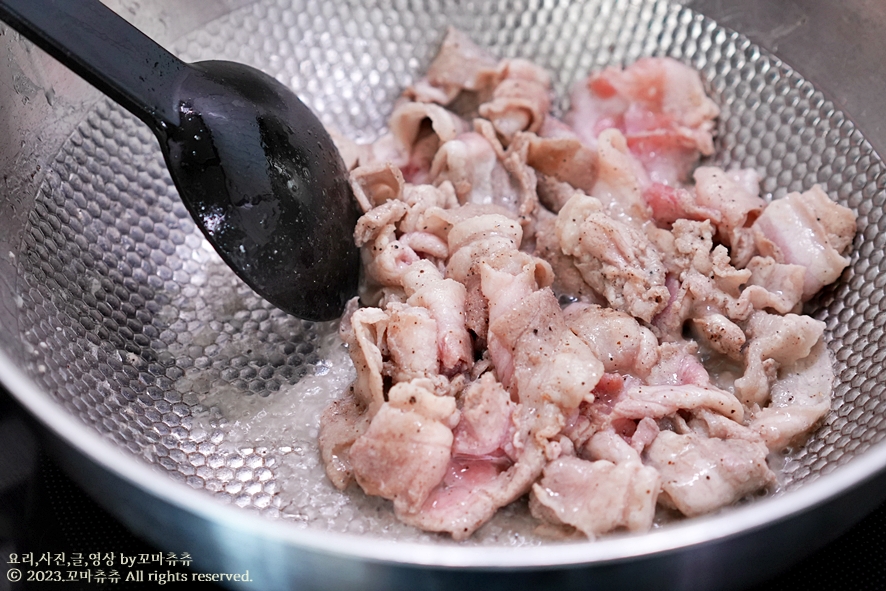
(132, 323)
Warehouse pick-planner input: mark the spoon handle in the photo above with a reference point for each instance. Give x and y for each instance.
(137, 73)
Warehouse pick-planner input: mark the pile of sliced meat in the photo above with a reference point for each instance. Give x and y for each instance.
(572, 308)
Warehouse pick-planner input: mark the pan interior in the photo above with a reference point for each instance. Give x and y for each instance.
(130, 320)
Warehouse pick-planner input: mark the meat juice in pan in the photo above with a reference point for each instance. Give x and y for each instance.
(573, 309)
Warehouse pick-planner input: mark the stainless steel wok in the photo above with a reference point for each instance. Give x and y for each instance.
(147, 360)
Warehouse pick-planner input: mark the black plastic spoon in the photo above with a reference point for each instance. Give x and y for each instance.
(254, 166)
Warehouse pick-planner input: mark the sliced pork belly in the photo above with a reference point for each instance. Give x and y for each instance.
(620, 180)
(696, 255)
(485, 422)
(661, 401)
(473, 490)
(375, 184)
(552, 193)
(412, 343)
(341, 423)
(775, 341)
(615, 338)
(660, 106)
(615, 259)
(720, 334)
(426, 245)
(445, 301)
(474, 387)
(477, 484)
(775, 286)
(565, 159)
(364, 333)
(475, 243)
(520, 101)
(385, 259)
(378, 220)
(800, 397)
(690, 247)
(567, 278)
(418, 131)
(525, 180)
(708, 423)
(410, 122)
(706, 289)
(631, 408)
(614, 447)
(678, 364)
(476, 229)
(472, 165)
(542, 360)
(427, 205)
(700, 475)
(460, 65)
(483, 174)
(405, 452)
(492, 240)
(596, 497)
(608, 445)
(351, 152)
(645, 433)
(669, 204)
(807, 229)
(735, 195)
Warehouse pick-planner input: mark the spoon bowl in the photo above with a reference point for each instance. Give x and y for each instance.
(254, 166)
(265, 183)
